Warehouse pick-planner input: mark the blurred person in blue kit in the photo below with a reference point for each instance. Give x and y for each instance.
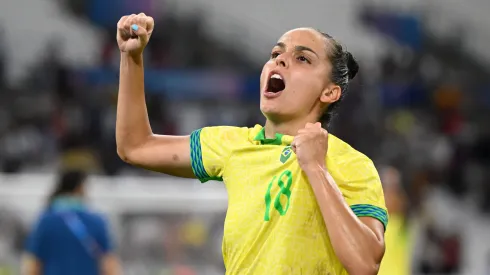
(68, 238)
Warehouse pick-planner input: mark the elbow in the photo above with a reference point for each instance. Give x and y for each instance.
(372, 270)
(126, 151)
(369, 262)
(125, 155)
(122, 154)
(131, 154)
(122, 150)
(365, 268)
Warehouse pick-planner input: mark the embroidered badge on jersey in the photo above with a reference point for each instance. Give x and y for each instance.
(286, 153)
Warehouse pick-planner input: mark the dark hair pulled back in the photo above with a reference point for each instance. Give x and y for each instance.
(68, 183)
(344, 69)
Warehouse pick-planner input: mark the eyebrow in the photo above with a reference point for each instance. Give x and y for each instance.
(297, 48)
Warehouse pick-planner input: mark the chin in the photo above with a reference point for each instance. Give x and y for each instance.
(272, 113)
(269, 108)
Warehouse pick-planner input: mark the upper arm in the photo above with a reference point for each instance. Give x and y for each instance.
(162, 153)
(202, 155)
(362, 189)
(379, 231)
(363, 192)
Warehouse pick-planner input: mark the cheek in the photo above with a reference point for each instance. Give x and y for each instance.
(304, 91)
(305, 101)
(306, 84)
(262, 80)
(263, 75)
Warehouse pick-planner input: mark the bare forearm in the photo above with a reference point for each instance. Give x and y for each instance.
(355, 244)
(132, 125)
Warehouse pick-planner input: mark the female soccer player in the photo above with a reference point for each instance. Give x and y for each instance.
(293, 208)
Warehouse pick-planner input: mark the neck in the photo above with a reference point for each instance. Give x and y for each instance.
(289, 128)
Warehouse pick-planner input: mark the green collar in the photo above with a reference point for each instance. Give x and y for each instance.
(277, 140)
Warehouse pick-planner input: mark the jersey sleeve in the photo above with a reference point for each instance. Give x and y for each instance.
(210, 150)
(363, 191)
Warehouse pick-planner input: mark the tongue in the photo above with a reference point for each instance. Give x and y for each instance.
(276, 85)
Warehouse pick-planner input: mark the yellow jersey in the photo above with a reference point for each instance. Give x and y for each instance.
(273, 224)
(398, 250)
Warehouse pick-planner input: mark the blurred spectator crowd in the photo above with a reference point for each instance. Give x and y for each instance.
(57, 117)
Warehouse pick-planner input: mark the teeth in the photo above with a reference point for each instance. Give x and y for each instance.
(276, 76)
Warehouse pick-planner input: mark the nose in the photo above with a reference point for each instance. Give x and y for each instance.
(282, 61)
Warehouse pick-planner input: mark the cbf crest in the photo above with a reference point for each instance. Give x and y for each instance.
(286, 154)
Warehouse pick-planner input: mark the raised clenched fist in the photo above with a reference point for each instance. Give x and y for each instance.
(133, 33)
(310, 146)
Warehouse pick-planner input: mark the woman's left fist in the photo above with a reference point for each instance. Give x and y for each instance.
(310, 146)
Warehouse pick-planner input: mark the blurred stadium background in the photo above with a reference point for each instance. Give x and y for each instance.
(421, 105)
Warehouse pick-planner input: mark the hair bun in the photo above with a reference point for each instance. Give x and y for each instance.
(352, 65)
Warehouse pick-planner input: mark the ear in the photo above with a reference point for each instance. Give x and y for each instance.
(331, 94)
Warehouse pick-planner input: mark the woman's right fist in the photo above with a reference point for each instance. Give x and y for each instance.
(133, 33)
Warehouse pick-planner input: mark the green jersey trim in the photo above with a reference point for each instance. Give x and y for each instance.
(368, 210)
(196, 158)
(277, 140)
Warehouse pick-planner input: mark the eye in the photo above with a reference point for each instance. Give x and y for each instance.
(274, 55)
(302, 58)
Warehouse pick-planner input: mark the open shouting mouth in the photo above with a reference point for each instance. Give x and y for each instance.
(275, 85)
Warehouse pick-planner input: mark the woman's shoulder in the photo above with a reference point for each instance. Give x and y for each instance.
(226, 133)
(344, 156)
